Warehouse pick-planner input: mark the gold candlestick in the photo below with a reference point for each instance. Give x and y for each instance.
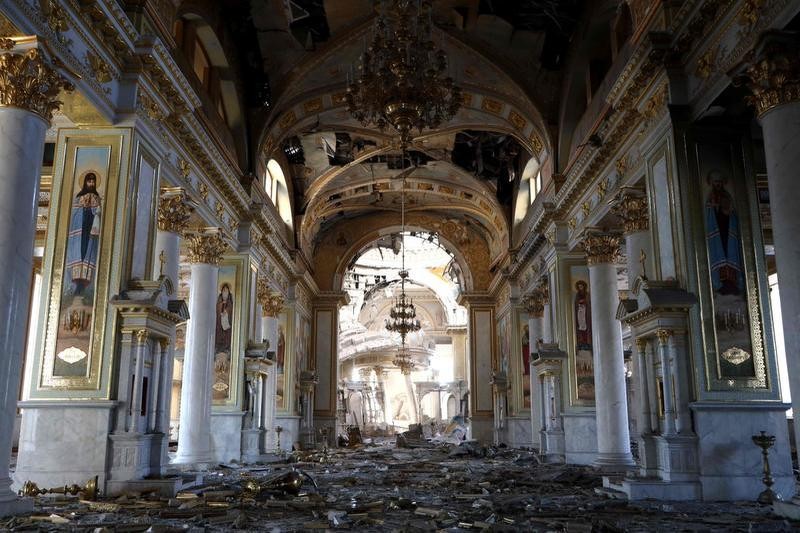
(765, 442)
(89, 489)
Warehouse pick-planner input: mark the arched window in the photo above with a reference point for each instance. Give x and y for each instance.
(530, 185)
(276, 189)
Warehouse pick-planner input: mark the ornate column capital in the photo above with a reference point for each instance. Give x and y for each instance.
(271, 302)
(142, 336)
(206, 246)
(27, 81)
(600, 247)
(663, 336)
(772, 72)
(630, 205)
(534, 304)
(641, 344)
(174, 210)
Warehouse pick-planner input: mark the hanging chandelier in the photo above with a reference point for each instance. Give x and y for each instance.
(403, 315)
(402, 76)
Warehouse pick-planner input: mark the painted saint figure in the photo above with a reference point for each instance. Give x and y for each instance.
(84, 236)
(722, 236)
(222, 338)
(583, 316)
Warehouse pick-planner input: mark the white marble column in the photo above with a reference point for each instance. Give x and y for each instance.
(613, 437)
(773, 80)
(174, 210)
(668, 428)
(382, 375)
(643, 422)
(194, 433)
(28, 91)
(412, 397)
(136, 424)
(271, 305)
(630, 205)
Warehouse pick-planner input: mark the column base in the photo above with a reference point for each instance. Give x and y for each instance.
(648, 456)
(251, 439)
(612, 463)
(553, 449)
(15, 505)
(200, 460)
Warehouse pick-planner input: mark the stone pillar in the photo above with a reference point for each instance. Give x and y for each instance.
(154, 393)
(308, 381)
(174, 211)
(668, 428)
(547, 324)
(613, 444)
(412, 397)
(136, 422)
(194, 434)
(28, 92)
(774, 80)
(458, 336)
(534, 305)
(271, 304)
(383, 399)
(648, 461)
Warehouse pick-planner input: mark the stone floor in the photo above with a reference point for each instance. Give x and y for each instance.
(384, 488)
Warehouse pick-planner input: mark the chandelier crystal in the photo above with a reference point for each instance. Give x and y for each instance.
(402, 77)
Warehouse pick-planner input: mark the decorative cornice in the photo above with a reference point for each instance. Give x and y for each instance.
(174, 210)
(206, 246)
(772, 73)
(631, 206)
(600, 247)
(28, 82)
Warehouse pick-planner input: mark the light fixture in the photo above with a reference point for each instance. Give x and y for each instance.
(402, 76)
(403, 316)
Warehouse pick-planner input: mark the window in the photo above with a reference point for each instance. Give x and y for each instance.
(275, 186)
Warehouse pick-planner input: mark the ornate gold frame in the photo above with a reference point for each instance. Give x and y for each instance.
(108, 269)
(567, 304)
(239, 337)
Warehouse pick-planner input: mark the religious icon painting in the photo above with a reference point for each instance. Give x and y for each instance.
(226, 323)
(73, 340)
(580, 305)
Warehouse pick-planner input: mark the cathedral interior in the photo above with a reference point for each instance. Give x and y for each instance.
(513, 256)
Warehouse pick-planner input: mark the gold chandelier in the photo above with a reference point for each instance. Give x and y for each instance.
(401, 79)
(403, 315)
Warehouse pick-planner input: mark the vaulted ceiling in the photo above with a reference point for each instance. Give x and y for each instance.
(506, 56)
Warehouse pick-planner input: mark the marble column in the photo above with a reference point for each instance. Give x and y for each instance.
(142, 341)
(271, 304)
(194, 434)
(174, 210)
(415, 419)
(648, 462)
(613, 437)
(773, 81)
(547, 324)
(383, 398)
(668, 428)
(28, 92)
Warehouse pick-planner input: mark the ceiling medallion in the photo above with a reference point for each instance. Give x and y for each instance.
(402, 76)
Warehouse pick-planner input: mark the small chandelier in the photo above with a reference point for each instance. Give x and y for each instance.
(403, 315)
(401, 80)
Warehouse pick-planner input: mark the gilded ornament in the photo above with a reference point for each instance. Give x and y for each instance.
(206, 247)
(601, 248)
(663, 336)
(621, 165)
(154, 113)
(641, 344)
(706, 62)
(142, 336)
(750, 13)
(184, 168)
(631, 206)
(55, 15)
(572, 223)
(27, 82)
(271, 302)
(220, 209)
(100, 69)
(602, 188)
(174, 212)
(203, 188)
(654, 106)
(586, 208)
(774, 78)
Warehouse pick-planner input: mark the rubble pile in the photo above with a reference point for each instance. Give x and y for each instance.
(379, 487)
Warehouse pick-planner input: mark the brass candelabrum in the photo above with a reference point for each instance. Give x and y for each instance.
(289, 483)
(89, 489)
(765, 442)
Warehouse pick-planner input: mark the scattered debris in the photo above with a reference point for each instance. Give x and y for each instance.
(428, 485)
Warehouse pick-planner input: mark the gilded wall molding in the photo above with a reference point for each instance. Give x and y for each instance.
(631, 206)
(773, 72)
(271, 302)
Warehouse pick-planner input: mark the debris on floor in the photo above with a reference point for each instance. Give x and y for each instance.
(376, 486)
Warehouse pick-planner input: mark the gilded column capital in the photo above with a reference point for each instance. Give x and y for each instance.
(663, 336)
(142, 336)
(271, 302)
(600, 247)
(534, 304)
(772, 73)
(630, 205)
(27, 81)
(174, 210)
(544, 290)
(206, 246)
(641, 344)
